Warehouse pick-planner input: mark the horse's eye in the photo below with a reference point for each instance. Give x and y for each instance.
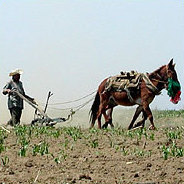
(170, 73)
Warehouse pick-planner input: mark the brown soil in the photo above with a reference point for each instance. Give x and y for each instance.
(92, 157)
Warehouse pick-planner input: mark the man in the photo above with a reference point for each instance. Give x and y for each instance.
(15, 103)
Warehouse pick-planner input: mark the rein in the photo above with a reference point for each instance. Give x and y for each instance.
(160, 81)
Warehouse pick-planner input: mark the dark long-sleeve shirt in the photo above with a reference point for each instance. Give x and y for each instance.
(13, 99)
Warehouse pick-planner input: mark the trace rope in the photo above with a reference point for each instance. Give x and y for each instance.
(60, 103)
(78, 106)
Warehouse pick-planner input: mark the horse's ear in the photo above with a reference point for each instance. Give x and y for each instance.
(171, 65)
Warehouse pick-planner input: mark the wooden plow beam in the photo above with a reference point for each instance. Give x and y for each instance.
(44, 118)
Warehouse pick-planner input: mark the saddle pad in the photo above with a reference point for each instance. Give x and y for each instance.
(119, 83)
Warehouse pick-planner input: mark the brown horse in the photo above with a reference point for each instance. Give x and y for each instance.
(105, 100)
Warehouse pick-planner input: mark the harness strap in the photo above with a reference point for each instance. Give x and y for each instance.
(130, 97)
(150, 85)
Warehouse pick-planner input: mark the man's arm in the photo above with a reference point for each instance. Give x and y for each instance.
(7, 89)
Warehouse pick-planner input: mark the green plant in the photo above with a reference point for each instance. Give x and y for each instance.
(20, 130)
(65, 143)
(42, 148)
(118, 131)
(130, 134)
(42, 130)
(141, 153)
(175, 134)
(2, 148)
(152, 136)
(74, 132)
(62, 156)
(22, 151)
(5, 160)
(139, 133)
(111, 143)
(172, 150)
(176, 151)
(3, 136)
(24, 145)
(179, 152)
(94, 131)
(94, 143)
(56, 133)
(165, 152)
(57, 160)
(124, 151)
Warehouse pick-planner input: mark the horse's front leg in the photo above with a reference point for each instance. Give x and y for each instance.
(142, 122)
(149, 115)
(136, 114)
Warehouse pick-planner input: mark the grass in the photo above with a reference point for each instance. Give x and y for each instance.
(168, 113)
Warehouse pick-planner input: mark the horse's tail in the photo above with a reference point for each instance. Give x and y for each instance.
(94, 109)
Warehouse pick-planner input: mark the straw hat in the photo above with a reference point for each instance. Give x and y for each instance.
(16, 71)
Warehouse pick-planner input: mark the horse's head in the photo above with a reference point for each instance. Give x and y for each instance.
(167, 78)
(173, 85)
(171, 72)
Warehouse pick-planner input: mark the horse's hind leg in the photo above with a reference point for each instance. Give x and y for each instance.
(100, 112)
(92, 124)
(102, 109)
(108, 118)
(99, 121)
(137, 112)
(98, 117)
(105, 125)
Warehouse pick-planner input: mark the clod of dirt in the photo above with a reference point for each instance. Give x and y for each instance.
(163, 174)
(29, 163)
(146, 183)
(149, 165)
(84, 176)
(180, 170)
(11, 172)
(136, 175)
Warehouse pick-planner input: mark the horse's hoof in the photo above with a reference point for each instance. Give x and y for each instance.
(104, 127)
(152, 127)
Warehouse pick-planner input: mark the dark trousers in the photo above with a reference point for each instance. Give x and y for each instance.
(16, 113)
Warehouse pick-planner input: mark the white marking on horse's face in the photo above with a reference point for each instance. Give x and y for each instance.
(138, 101)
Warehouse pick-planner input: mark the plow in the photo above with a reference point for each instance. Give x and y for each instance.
(41, 118)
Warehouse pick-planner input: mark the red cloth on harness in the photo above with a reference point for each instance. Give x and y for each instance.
(176, 98)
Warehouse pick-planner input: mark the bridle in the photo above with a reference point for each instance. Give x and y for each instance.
(160, 80)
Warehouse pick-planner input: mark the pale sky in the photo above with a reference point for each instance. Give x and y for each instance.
(70, 46)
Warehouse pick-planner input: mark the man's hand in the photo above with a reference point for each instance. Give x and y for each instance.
(7, 91)
(34, 102)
